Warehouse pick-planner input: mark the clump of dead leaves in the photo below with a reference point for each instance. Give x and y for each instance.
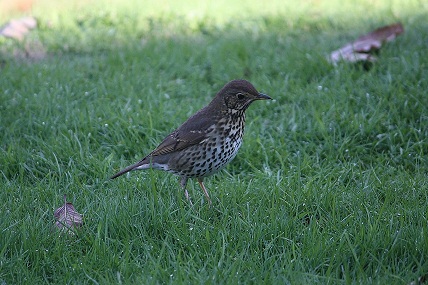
(16, 30)
(363, 48)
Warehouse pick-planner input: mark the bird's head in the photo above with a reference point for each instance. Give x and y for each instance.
(239, 94)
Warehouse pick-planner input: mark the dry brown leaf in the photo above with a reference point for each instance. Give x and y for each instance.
(360, 49)
(67, 217)
(17, 28)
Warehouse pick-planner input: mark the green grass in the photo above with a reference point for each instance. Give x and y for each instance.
(330, 186)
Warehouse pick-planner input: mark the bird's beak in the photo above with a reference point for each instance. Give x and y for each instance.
(263, 97)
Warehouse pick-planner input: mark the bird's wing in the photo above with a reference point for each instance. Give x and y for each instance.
(174, 142)
(192, 132)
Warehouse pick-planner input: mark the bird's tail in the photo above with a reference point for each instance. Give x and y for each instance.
(142, 164)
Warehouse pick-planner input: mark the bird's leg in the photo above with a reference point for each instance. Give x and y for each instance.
(183, 184)
(201, 182)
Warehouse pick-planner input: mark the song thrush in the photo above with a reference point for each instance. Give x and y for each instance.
(207, 141)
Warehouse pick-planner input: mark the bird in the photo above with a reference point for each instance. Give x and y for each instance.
(207, 141)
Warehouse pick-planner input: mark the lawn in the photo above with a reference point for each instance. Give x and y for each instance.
(329, 187)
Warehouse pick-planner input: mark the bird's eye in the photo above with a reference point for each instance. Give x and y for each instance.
(240, 96)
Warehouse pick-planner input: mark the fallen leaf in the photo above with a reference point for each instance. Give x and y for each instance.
(67, 217)
(17, 28)
(360, 49)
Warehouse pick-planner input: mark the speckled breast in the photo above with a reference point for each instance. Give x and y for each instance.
(220, 146)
